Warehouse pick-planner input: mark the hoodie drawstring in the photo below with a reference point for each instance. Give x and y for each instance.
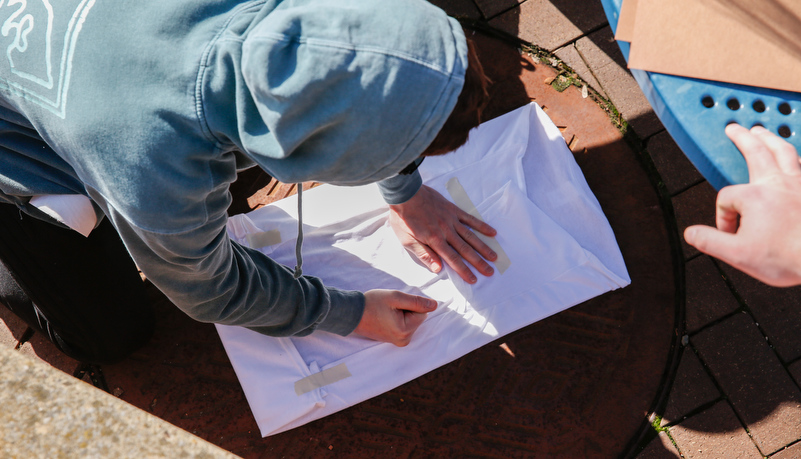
(299, 243)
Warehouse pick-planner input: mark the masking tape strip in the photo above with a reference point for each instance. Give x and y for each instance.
(323, 378)
(462, 200)
(259, 240)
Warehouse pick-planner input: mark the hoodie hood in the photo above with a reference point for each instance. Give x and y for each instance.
(347, 91)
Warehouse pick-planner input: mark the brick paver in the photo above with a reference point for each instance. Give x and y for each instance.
(708, 298)
(551, 24)
(676, 171)
(571, 56)
(791, 452)
(492, 8)
(750, 374)
(696, 206)
(714, 433)
(660, 447)
(602, 54)
(692, 388)
(777, 310)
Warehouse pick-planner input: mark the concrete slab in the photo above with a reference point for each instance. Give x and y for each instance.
(708, 298)
(714, 433)
(750, 374)
(42, 349)
(47, 413)
(695, 206)
(601, 52)
(551, 24)
(692, 388)
(11, 328)
(777, 310)
(677, 172)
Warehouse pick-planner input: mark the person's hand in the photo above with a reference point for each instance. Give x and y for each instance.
(432, 228)
(759, 223)
(392, 316)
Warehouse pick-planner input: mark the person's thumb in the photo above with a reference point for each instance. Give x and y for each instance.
(415, 303)
(719, 244)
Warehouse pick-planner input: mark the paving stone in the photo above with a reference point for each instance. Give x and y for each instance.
(602, 54)
(695, 206)
(795, 371)
(714, 433)
(660, 448)
(708, 298)
(777, 310)
(692, 388)
(462, 9)
(570, 55)
(551, 24)
(750, 374)
(491, 8)
(791, 452)
(676, 171)
(49, 414)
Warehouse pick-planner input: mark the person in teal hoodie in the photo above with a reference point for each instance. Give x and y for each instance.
(144, 112)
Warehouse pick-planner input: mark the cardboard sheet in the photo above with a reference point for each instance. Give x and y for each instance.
(748, 42)
(625, 22)
(523, 180)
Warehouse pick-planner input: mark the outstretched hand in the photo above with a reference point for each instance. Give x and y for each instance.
(759, 223)
(434, 229)
(392, 316)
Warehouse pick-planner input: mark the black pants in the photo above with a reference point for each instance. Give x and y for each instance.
(84, 294)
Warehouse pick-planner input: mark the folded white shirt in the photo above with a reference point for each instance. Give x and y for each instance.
(521, 178)
(73, 210)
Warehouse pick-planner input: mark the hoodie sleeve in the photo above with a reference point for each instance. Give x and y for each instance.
(400, 188)
(214, 279)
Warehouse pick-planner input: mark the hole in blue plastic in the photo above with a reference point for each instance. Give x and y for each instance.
(708, 101)
(758, 124)
(785, 131)
(784, 108)
(733, 103)
(759, 106)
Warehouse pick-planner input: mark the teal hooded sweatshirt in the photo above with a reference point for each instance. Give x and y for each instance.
(150, 108)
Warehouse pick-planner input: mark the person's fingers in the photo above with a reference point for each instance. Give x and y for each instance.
(475, 251)
(719, 244)
(783, 152)
(727, 209)
(426, 255)
(477, 224)
(477, 244)
(452, 257)
(759, 158)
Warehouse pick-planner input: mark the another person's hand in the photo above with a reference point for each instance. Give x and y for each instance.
(759, 223)
(392, 316)
(433, 229)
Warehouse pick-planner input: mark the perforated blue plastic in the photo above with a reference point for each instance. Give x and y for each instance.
(695, 112)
